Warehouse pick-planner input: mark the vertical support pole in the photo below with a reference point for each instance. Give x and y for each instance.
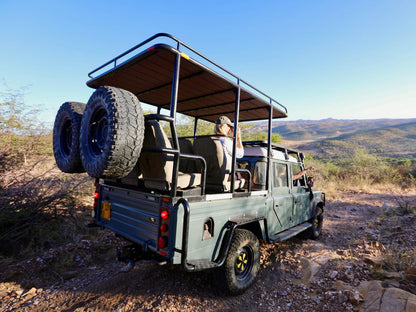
(175, 84)
(269, 144)
(195, 126)
(173, 104)
(236, 117)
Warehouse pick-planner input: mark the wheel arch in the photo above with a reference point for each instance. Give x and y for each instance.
(251, 224)
(318, 204)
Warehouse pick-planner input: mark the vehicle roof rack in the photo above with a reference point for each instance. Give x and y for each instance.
(205, 91)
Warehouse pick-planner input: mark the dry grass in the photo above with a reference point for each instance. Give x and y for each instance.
(36, 201)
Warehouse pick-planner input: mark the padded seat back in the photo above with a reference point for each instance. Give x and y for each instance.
(218, 170)
(186, 165)
(157, 167)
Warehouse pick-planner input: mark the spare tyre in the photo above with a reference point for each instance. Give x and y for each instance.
(112, 131)
(66, 132)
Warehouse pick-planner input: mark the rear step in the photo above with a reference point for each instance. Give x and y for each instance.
(203, 264)
(290, 232)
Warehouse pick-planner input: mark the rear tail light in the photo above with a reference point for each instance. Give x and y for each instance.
(163, 242)
(164, 224)
(164, 214)
(96, 196)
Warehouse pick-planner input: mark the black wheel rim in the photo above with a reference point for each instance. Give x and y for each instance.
(317, 224)
(98, 131)
(66, 138)
(243, 263)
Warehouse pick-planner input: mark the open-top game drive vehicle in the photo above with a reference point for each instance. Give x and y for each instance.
(177, 199)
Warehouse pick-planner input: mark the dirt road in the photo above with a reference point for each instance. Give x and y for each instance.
(297, 275)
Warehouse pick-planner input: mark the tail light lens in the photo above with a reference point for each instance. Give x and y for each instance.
(163, 242)
(164, 223)
(96, 196)
(164, 214)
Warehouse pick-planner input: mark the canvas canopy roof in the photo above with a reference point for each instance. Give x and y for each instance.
(202, 92)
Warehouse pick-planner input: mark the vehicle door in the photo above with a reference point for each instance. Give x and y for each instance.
(300, 194)
(280, 215)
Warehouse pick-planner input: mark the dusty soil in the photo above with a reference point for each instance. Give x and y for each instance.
(297, 275)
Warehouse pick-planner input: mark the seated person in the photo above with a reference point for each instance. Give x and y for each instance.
(223, 125)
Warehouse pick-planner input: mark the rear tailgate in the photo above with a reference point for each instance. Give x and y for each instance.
(129, 213)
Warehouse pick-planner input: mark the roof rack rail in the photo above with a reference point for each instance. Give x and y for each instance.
(178, 46)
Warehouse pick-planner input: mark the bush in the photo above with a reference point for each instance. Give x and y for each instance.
(33, 198)
(361, 171)
(21, 133)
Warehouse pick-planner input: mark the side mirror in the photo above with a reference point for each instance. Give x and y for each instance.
(310, 182)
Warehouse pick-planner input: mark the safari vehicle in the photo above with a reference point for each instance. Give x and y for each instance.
(174, 198)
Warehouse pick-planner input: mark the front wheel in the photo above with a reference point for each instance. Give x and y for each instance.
(242, 263)
(317, 221)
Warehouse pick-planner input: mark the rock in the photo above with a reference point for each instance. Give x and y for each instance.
(375, 261)
(29, 294)
(19, 292)
(282, 293)
(394, 299)
(333, 274)
(354, 297)
(394, 275)
(377, 298)
(411, 305)
(372, 292)
(340, 285)
(69, 275)
(382, 274)
(410, 274)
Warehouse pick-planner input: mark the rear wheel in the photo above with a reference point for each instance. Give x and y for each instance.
(66, 132)
(112, 131)
(242, 263)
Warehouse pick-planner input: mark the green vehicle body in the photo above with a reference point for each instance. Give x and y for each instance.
(196, 227)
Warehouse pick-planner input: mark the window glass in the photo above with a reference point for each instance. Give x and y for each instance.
(259, 173)
(280, 175)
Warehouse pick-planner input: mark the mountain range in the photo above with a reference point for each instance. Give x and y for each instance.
(335, 138)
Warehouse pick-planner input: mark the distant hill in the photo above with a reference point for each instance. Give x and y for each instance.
(397, 141)
(333, 138)
(301, 130)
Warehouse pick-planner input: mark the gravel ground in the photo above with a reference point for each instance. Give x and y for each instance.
(296, 275)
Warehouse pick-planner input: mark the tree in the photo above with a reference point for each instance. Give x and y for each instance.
(20, 131)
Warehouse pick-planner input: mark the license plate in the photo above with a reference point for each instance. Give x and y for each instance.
(105, 210)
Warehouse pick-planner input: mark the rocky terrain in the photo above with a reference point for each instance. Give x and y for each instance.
(364, 261)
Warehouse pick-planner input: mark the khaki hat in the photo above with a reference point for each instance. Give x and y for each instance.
(224, 120)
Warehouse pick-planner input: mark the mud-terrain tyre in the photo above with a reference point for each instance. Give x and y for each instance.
(316, 229)
(242, 264)
(112, 131)
(66, 132)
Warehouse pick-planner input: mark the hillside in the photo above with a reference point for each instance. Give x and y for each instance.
(330, 139)
(301, 130)
(397, 141)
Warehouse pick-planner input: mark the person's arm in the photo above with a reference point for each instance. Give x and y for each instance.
(303, 172)
(240, 148)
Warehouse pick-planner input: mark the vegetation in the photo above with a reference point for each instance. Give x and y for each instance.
(363, 171)
(35, 197)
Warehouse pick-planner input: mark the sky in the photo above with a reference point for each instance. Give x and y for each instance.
(339, 59)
